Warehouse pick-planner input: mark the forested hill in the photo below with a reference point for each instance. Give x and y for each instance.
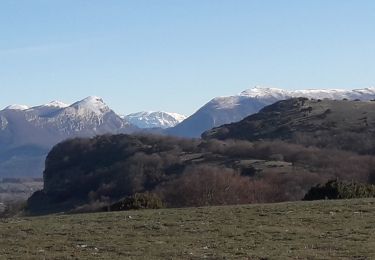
(89, 174)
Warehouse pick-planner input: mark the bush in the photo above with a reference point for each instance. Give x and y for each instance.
(138, 201)
(12, 209)
(209, 185)
(340, 190)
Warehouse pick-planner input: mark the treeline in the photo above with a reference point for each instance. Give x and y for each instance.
(361, 142)
(20, 180)
(96, 173)
(330, 163)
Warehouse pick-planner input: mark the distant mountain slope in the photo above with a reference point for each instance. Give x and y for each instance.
(157, 119)
(224, 110)
(27, 134)
(340, 124)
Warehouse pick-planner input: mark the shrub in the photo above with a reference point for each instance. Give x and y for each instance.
(340, 190)
(13, 208)
(211, 185)
(138, 201)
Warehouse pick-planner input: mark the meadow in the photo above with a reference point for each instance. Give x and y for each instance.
(341, 229)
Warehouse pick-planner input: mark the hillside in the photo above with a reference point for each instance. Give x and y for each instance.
(225, 110)
(302, 230)
(221, 110)
(348, 125)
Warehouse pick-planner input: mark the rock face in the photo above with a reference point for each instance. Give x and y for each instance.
(225, 110)
(155, 119)
(27, 134)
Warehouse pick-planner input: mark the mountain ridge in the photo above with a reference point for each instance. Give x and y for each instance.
(230, 109)
(336, 124)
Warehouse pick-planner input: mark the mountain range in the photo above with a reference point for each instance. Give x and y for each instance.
(28, 133)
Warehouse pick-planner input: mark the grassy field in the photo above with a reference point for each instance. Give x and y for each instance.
(303, 230)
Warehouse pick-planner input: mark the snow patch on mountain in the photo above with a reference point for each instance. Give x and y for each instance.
(154, 119)
(272, 94)
(56, 103)
(16, 107)
(3, 123)
(225, 102)
(91, 104)
(275, 94)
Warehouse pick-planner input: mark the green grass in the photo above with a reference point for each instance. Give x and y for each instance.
(302, 230)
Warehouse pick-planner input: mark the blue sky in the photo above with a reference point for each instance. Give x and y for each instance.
(175, 55)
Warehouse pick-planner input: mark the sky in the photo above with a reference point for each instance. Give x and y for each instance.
(176, 55)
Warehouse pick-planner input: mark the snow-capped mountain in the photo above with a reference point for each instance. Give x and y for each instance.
(157, 119)
(16, 107)
(225, 110)
(27, 134)
(275, 94)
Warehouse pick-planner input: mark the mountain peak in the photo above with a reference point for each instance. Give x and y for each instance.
(56, 103)
(92, 99)
(16, 107)
(155, 119)
(259, 91)
(91, 103)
